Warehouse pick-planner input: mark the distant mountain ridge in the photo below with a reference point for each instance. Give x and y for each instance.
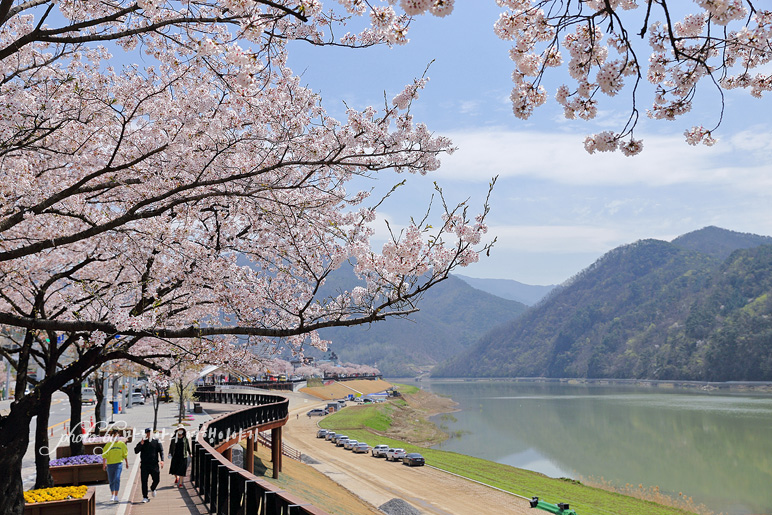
(699, 307)
(528, 294)
(452, 317)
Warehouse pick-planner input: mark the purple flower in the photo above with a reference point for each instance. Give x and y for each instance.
(83, 459)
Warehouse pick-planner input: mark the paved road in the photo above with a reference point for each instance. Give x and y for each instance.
(377, 481)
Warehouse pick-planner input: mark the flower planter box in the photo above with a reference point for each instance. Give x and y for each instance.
(78, 474)
(84, 506)
(88, 448)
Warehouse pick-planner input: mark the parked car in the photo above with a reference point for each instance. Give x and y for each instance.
(88, 396)
(395, 454)
(321, 433)
(137, 398)
(349, 444)
(379, 451)
(361, 447)
(413, 459)
(316, 412)
(340, 442)
(330, 435)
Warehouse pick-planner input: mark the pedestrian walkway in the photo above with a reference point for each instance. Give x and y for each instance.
(168, 500)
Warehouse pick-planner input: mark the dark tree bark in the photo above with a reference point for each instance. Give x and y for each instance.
(43, 450)
(99, 389)
(14, 438)
(156, 404)
(73, 391)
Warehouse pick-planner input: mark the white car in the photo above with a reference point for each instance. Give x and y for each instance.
(137, 398)
(88, 396)
(395, 454)
(379, 451)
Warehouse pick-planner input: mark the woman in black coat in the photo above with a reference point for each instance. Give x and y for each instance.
(179, 452)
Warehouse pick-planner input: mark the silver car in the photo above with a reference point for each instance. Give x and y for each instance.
(361, 447)
(349, 444)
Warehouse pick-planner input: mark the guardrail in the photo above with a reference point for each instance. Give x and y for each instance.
(230, 490)
(227, 397)
(265, 440)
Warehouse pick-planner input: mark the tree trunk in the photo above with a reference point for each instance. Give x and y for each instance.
(43, 452)
(14, 438)
(99, 389)
(156, 404)
(73, 391)
(181, 392)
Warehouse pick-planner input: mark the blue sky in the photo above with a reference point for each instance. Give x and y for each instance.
(556, 209)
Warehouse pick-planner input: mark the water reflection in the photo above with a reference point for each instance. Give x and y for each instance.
(714, 447)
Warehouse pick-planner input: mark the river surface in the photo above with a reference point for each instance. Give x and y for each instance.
(713, 446)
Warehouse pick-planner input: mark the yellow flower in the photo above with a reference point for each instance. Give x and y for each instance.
(57, 493)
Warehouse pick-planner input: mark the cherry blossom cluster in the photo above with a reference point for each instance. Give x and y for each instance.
(721, 43)
(200, 203)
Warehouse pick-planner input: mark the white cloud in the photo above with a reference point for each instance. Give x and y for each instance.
(740, 160)
(557, 238)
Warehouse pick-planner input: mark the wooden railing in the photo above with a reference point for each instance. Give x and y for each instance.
(265, 440)
(230, 490)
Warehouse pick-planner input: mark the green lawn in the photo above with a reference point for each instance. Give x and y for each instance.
(358, 423)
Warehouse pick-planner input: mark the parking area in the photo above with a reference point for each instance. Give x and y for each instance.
(376, 481)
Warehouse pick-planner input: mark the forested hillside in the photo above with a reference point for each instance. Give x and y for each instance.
(652, 309)
(452, 317)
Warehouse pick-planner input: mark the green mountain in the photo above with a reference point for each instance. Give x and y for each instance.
(452, 317)
(699, 307)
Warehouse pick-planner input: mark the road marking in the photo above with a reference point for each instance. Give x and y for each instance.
(92, 410)
(127, 492)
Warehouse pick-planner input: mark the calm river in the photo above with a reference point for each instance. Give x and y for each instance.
(714, 447)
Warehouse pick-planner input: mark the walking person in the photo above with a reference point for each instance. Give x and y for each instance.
(113, 454)
(150, 453)
(179, 452)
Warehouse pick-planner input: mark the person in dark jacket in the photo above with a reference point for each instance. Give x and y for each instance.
(150, 452)
(179, 452)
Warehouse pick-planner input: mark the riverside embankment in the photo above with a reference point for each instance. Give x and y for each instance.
(434, 490)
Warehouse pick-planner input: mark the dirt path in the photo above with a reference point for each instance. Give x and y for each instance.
(377, 481)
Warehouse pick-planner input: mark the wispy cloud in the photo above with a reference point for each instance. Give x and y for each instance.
(741, 160)
(556, 238)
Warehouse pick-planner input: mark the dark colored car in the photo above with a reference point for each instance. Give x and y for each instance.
(321, 433)
(413, 459)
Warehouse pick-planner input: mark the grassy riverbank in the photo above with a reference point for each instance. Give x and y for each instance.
(403, 423)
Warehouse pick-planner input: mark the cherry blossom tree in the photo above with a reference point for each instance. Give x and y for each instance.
(202, 197)
(158, 386)
(612, 46)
